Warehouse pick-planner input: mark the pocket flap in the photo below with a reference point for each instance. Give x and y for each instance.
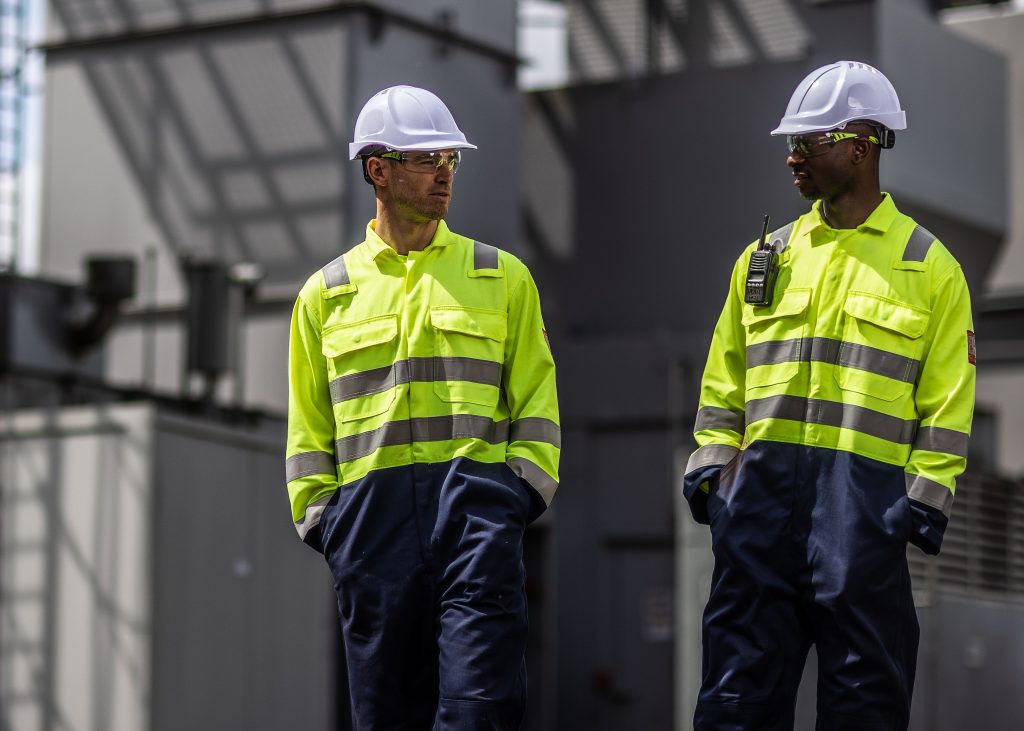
(887, 314)
(792, 302)
(490, 324)
(357, 335)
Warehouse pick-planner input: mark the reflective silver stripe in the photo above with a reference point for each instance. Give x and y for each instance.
(779, 239)
(312, 516)
(711, 454)
(415, 369)
(714, 417)
(484, 256)
(421, 429)
(336, 273)
(833, 413)
(918, 244)
(929, 492)
(937, 439)
(539, 479)
(305, 464)
(536, 429)
(836, 352)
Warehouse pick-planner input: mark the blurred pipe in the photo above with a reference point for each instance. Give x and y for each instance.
(149, 324)
(209, 322)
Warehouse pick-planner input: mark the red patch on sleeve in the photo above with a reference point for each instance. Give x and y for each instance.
(972, 353)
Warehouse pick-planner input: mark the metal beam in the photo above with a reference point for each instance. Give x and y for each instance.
(1000, 325)
(441, 31)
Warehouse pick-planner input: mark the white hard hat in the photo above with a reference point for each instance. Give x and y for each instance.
(842, 92)
(406, 118)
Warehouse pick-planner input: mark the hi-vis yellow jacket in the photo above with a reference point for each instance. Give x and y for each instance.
(396, 360)
(868, 347)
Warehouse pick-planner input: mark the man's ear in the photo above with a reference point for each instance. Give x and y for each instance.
(861, 150)
(376, 172)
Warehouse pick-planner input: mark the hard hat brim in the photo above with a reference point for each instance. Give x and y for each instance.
(356, 149)
(891, 120)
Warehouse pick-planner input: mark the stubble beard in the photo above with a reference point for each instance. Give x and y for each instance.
(425, 208)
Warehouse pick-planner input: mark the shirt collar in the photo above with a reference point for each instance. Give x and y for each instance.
(879, 220)
(882, 217)
(378, 246)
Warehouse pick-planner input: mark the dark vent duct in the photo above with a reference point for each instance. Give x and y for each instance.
(97, 306)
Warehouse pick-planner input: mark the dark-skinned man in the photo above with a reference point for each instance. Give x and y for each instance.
(423, 437)
(834, 417)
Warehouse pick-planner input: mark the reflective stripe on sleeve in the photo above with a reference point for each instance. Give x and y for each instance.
(336, 273)
(711, 454)
(833, 413)
(427, 369)
(930, 493)
(937, 439)
(421, 429)
(311, 518)
(836, 352)
(715, 417)
(305, 464)
(536, 429)
(918, 244)
(539, 479)
(484, 256)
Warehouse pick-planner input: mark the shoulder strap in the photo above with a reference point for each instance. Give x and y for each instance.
(484, 256)
(779, 239)
(486, 262)
(336, 279)
(920, 241)
(336, 273)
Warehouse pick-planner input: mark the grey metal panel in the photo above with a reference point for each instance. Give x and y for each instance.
(656, 258)
(244, 626)
(966, 182)
(606, 641)
(971, 676)
(637, 691)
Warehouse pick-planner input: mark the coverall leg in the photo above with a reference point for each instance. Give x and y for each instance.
(810, 548)
(429, 572)
(867, 630)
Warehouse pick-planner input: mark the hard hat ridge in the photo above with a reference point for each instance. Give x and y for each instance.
(406, 118)
(838, 93)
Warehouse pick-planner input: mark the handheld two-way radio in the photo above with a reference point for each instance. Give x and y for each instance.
(764, 265)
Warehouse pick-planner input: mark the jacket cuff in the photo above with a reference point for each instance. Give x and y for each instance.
(929, 527)
(695, 496)
(313, 539)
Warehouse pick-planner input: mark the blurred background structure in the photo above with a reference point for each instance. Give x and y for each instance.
(193, 172)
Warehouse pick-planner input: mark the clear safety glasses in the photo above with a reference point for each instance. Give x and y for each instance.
(817, 144)
(426, 162)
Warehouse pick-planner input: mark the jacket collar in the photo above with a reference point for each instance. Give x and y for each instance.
(880, 219)
(378, 246)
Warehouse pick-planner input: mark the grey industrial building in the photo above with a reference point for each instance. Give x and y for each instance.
(195, 163)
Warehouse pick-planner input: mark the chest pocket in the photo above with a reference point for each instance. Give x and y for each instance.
(882, 346)
(361, 364)
(775, 338)
(469, 349)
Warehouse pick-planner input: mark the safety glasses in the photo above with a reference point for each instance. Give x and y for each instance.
(817, 144)
(426, 162)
